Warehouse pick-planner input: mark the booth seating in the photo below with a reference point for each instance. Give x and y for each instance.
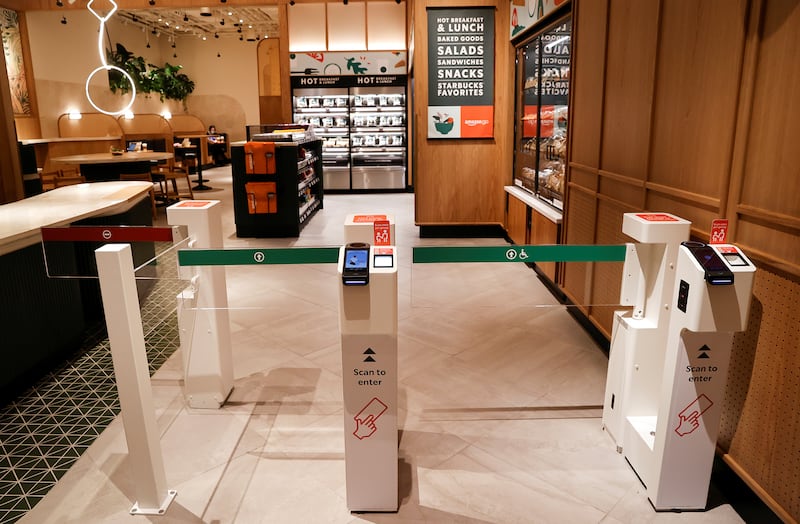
(192, 128)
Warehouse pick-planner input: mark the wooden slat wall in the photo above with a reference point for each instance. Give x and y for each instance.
(460, 182)
(693, 108)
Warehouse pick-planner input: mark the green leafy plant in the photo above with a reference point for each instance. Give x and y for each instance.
(167, 81)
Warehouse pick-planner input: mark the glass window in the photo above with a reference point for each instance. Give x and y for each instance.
(543, 64)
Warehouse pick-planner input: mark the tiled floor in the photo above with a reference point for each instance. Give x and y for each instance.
(499, 403)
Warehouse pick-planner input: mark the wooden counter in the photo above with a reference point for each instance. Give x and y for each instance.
(21, 221)
(44, 318)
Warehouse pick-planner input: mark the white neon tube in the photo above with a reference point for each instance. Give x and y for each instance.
(105, 66)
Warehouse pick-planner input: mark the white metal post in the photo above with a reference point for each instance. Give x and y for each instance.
(203, 310)
(124, 324)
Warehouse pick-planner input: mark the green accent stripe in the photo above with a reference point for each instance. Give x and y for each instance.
(547, 253)
(244, 257)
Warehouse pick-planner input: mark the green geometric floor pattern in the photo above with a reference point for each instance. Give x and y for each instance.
(47, 428)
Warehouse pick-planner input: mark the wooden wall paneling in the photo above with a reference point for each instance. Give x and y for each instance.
(622, 188)
(580, 215)
(697, 82)
(767, 443)
(768, 209)
(607, 276)
(587, 78)
(772, 169)
(770, 243)
(517, 220)
(546, 232)
(583, 176)
(693, 210)
(630, 68)
(460, 182)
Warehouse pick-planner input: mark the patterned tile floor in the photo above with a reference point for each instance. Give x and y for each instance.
(47, 428)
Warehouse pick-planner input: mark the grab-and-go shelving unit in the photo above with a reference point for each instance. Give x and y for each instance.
(277, 183)
(362, 123)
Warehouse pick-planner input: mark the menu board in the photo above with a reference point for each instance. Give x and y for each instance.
(461, 72)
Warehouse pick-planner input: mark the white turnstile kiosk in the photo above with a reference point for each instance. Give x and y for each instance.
(376, 229)
(672, 387)
(368, 324)
(648, 279)
(203, 310)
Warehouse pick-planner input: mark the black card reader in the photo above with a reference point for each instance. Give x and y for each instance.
(717, 273)
(356, 264)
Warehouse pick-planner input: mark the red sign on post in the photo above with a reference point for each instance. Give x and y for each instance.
(719, 231)
(381, 233)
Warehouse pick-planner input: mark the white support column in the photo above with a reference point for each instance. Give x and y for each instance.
(203, 318)
(124, 323)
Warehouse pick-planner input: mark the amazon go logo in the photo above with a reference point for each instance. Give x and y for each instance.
(473, 122)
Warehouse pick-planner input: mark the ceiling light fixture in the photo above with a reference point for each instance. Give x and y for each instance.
(291, 2)
(344, 2)
(219, 55)
(185, 17)
(152, 2)
(59, 3)
(216, 35)
(64, 20)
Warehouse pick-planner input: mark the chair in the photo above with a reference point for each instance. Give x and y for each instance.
(142, 177)
(48, 179)
(168, 177)
(61, 181)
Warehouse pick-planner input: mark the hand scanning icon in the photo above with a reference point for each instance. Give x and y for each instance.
(365, 428)
(688, 424)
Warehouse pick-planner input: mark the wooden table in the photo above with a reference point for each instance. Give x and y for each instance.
(106, 166)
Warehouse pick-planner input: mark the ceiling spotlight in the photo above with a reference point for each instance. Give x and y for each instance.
(205, 11)
(59, 3)
(216, 35)
(291, 2)
(152, 2)
(222, 21)
(344, 2)
(185, 17)
(241, 37)
(174, 55)
(64, 20)
(222, 1)
(398, 2)
(173, 45)
(148, 45)
(219, 55)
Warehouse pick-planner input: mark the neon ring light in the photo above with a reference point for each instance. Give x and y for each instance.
(105, 66)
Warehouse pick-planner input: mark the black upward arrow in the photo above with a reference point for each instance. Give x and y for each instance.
(369, 352)
(703, 350)
(370, 359)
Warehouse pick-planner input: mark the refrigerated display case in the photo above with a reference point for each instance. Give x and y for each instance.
(327, 109)
(361, 120)
(542, 112)
(377, 137)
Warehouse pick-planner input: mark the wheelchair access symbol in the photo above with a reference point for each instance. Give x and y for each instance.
(366, 418)
(512, 254)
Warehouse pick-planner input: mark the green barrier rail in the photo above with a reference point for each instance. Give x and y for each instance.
(244, 257)
(546, 253)
(421, 255)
